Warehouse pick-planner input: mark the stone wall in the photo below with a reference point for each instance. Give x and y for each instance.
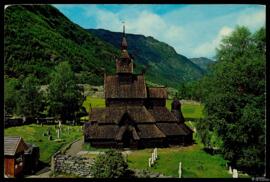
(72, 165)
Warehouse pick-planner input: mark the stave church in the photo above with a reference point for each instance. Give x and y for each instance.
(135, 115)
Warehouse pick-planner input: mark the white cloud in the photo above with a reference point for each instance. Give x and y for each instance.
(193, 30)
(208, 48)
(253, 20)
(137, 22)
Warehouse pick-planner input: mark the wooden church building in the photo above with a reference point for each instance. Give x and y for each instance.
(135, 115)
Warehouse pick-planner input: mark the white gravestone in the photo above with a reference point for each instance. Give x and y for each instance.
(149, 162)
(230, 170)
(180, 169)
(58, 133)
(235, 173)
(153, 160)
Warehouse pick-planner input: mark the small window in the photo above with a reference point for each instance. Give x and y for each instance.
(19, 159)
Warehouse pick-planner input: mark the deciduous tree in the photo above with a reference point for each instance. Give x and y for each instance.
(234, 94)
(64, 96)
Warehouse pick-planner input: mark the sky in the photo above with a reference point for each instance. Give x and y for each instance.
(193, 30)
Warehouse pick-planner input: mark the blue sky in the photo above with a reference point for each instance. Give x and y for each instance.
(193, 30)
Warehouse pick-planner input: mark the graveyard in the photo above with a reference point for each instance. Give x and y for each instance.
(48, 143)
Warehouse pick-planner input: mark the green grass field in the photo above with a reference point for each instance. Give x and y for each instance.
(34, 134)
(189, 110)
(95, 102)
(196, 163)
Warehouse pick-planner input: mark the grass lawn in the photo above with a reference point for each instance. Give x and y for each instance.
(196, 163)
(95, 102)
(189, 110)
(34, 134)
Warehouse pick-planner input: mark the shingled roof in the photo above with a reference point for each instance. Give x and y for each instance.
(13, 145)
(122, 130)
(114, 89)
(101, 131)
(149, 131)
(171, 129)
(162, 114)
(138, 114)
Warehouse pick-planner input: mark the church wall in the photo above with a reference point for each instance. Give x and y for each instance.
(124, 102)
(150, 103)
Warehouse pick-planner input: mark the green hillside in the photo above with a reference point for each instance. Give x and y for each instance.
(202, 62)
(38, 37)
(164, 65)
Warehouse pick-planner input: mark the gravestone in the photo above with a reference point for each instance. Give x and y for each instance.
(235, 173)
(59, 124)
(49, 131)
(230, 170)
(155, 151)
(149, 162)
(58, 133)
(152, 159)
(180, 170)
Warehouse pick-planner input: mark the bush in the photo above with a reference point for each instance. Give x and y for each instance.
(111, 164)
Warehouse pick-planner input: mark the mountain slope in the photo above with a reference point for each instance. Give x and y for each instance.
(165, 66)
(202, 62)
(38, 37)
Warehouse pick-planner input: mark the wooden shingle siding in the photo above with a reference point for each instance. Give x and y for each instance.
(114, 89)
(157, 92)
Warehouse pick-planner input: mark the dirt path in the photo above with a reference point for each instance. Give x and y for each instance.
(44, 173)
(75, 148)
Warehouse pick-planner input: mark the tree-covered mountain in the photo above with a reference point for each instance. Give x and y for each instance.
(164, 65)
(202, 62)
(38, 37)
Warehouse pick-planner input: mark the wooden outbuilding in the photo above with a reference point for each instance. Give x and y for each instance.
(14, 148)
(19, 157)
(135, 115)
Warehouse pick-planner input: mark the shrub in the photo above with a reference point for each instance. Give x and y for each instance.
(111, 164)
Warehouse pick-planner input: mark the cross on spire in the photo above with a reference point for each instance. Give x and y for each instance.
(124, 41)
(123, 22)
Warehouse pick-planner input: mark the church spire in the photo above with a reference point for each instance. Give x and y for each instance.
(124, 41)
(124, 64)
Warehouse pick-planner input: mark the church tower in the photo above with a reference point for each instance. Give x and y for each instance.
(124, 64)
